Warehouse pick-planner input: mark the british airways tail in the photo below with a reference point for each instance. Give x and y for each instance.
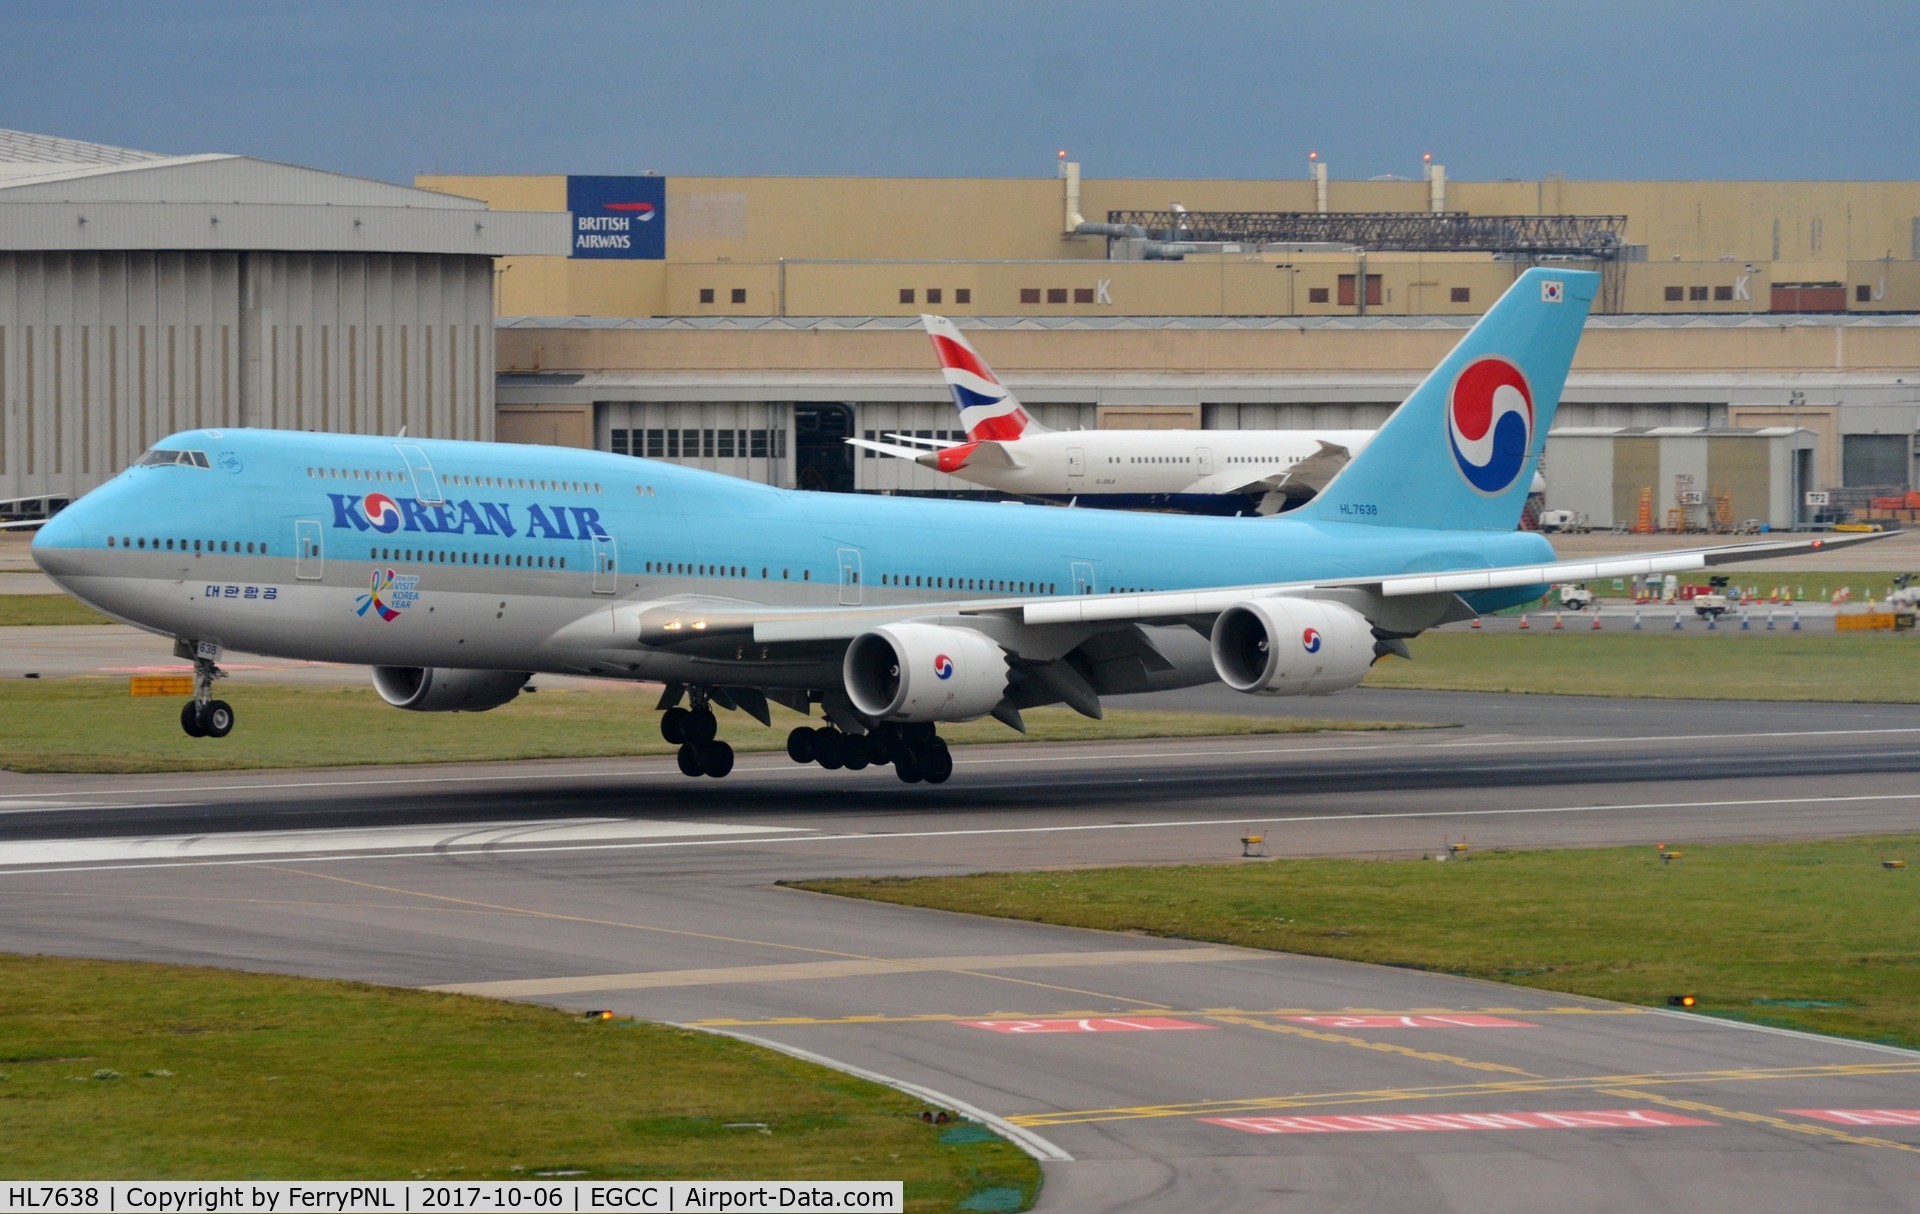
(1459, 454)
(987, 409)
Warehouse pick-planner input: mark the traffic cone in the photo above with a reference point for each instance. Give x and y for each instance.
(1523, 622)
(1476, 623)
(1713, 623)
(1558, 623)
(1796, 622)
(1676, 622)
(1636, 621)
(1596, 622)
(1746, 625)
(1769, 621)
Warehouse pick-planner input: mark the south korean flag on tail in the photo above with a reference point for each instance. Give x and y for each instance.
(1552, 290)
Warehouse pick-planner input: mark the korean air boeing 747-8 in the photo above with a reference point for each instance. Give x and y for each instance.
(457, 570)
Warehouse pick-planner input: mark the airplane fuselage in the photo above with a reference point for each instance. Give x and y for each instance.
(490, 556)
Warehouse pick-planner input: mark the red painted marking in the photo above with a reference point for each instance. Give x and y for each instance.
(1387, 1123)
(1862, 1116)
(952, 459)
(952, 354)
(1413, 1022)
(628, 206)
(1131, 1024)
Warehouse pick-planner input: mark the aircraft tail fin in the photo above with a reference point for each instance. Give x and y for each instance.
(987, 409)
(1459, 454)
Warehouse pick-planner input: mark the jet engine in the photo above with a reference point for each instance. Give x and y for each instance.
(1284, 646)
(439, 689)
(924, 672)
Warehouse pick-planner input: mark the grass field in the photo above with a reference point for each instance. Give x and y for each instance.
(1813, 936)
(93, 725)
(115, 1070)
(20, 609)
(1859, 667)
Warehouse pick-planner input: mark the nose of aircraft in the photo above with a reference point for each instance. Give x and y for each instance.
(58, 546)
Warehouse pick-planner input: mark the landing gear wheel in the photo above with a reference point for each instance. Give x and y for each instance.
(853, 756)
(908, 769)
(690, 764)
(673, 724)
(936, 762)
(800, 744)
(190, 720)
(719, 759)
(879, 750)
(216, 718)
(827, 749)
(701, 726)
(918, 733)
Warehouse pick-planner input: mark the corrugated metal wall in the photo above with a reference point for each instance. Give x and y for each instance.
(103, 353)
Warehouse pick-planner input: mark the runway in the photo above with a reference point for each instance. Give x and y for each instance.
(1152, 1074)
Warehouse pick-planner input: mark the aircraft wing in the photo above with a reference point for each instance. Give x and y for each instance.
(982, 453)
(1420, 594)
(1307, 477)
(893, 449)
(32, 522)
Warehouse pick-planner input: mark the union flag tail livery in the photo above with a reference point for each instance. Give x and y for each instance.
(987, 409)
(1459, 454)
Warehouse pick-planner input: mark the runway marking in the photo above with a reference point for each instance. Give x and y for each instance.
(1464, 1021)
(1776, 1123)
(940, 1017)
(375, 838)
(1385, 1047)
(889, 836)
(1056, 752)
(1375, 1123)
(1098, 1024)
(1502, 1087)
(863, 967)
(1861, 1116)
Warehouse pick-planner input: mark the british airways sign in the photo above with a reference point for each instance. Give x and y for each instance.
(618, 217)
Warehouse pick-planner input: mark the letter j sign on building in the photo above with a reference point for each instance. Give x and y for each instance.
(624, 217)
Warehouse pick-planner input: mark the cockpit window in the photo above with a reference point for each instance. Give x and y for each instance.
(159, 457)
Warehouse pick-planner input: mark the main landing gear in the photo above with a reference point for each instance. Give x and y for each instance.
(203, 716)
(916, 751)
(693, 730)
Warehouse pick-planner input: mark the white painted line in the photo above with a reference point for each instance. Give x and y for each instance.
(1021, 1137)
(482, 836)
(1878, 1047)
(1055, 752)
(889, 836)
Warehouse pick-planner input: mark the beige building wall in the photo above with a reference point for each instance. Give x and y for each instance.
(862, 241)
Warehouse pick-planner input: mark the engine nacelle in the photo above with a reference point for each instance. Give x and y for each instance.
(1283, 646)
(439, 689)
(924, 672)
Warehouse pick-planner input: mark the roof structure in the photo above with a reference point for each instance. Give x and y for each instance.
(68, 195)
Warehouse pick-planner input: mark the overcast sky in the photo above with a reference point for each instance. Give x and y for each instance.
(1630, 89)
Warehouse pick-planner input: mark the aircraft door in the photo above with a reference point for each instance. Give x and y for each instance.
(1083, 577)
(849, 577)
(426, 485)
(1076, 461)
(1203, 456)
(606, 564)
(310, 554)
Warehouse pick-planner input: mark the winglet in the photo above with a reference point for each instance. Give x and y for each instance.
(987, 409)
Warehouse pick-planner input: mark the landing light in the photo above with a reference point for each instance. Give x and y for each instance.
(600, 1014)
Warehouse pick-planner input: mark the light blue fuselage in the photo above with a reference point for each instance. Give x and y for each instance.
(273, 547)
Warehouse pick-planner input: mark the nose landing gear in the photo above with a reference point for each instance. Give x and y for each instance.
(203, 716)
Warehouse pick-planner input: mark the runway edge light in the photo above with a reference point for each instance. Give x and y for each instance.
(1681, 1000)
(600, 1014)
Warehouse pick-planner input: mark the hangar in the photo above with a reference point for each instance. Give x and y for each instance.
(142, 294)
